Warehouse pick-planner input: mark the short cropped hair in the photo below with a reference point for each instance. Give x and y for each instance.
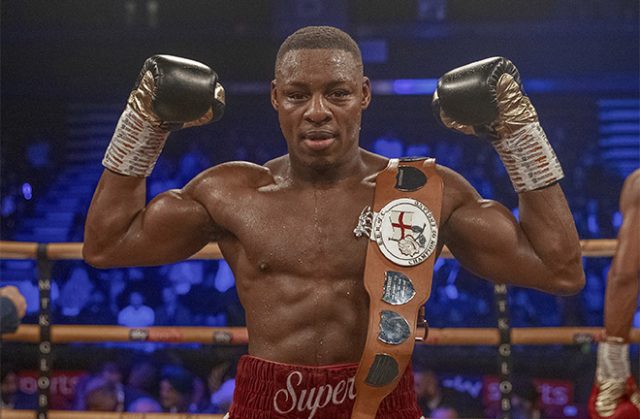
(319, 37)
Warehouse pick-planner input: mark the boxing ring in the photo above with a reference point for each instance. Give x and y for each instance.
(45, 334)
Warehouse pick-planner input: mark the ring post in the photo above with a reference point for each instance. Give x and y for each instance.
(44, 323)
(504, 350)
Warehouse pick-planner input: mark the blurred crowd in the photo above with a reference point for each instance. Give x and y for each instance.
(153, 383)
(144, 384)
(203, 292)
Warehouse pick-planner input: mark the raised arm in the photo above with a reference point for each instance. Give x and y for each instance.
(623, 279)
(540, 250)
(121, 228)
(615, 393)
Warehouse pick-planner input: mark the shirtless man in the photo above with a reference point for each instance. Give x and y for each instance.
(615, 393)
(286, 228)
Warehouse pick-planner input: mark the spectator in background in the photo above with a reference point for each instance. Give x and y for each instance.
(199, 397)
(102, 395)
(526, 400)
(116, 283)
(214, 302)
(224, 279)
(75, 293)
(221, 384)
(136, 314)
(29, 289)
(176, 390)
(143, 376)
(10, 395)
(13, 307)
(432, 395)
(97, 310)
(172, 312)
(108, 382)
(183, 275)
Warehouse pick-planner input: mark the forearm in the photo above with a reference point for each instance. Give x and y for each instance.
(547, 222)
(621, 301)
(117, 201)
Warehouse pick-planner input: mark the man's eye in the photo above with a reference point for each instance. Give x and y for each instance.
(296, 96)
(339, 93)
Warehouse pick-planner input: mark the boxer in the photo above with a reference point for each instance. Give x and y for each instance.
(615, 393)
(286, 228)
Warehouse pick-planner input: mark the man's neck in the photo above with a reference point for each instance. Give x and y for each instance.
(329, 175)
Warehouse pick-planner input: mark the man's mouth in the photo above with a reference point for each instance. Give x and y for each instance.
(318, 140)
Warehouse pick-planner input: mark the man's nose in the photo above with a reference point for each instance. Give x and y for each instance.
(318, 111)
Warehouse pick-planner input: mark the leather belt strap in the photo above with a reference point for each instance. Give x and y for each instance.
(403, 228)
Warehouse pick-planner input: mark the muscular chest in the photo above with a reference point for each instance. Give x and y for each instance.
(306, 232)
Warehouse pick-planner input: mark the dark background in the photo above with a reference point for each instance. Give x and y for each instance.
(67, 67)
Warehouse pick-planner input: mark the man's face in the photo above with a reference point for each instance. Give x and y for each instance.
(9, 386)
(425, 384)
(319, 95)
(169, 396)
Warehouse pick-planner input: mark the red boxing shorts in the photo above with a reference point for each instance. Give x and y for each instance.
(266, 390)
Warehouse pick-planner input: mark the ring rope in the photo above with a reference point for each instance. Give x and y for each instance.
(474, 336)
(69, 414)
(73, 251)
(239, 336)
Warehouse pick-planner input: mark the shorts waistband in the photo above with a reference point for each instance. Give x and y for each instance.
(266, 389)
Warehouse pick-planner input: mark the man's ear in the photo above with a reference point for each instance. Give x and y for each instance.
(274, 95)
(366, 92)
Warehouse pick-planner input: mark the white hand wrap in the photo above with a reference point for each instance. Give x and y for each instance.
(529, 158)
(613, 360)
(135, 146)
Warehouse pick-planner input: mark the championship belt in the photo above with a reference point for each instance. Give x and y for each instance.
(403, 229)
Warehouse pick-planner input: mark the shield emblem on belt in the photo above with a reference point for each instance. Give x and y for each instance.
(406, 231)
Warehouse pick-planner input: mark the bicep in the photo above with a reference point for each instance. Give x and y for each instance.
(486, 238)
(171, 227)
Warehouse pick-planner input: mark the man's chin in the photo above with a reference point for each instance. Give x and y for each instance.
(319, 163)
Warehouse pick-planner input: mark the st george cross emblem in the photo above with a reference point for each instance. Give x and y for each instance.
(405, 230)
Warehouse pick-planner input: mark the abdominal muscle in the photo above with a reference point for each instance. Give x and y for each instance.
(306, 321)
